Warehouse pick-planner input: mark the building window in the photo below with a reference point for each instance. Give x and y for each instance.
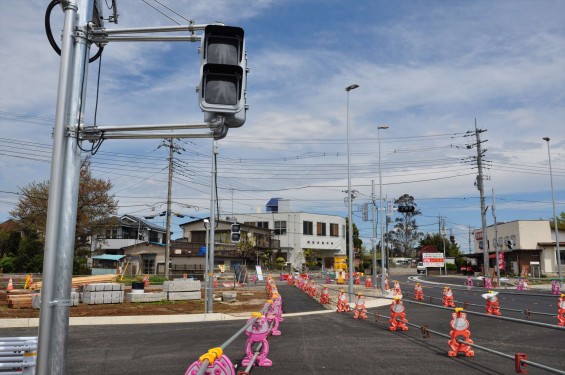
(334, 230)
(321, 229)
(280, 228)
(308, 228)
(149, 265)
(129, 233)
(263, 224)
(112, 233)
(153, 236)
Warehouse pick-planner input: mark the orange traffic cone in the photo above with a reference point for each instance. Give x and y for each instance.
(10, 285)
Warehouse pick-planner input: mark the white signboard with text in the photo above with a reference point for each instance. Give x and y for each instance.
(433, 260)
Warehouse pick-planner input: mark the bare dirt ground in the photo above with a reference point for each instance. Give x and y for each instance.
(248, 300)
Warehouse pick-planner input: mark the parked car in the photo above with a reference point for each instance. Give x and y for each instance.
(420, 268)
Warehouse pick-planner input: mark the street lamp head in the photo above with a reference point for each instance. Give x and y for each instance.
(546, 139)
(383, 127)
(352, 87)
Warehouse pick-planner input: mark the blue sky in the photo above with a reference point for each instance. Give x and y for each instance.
(425, 69)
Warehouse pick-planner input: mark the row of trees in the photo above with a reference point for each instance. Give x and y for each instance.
(21, 247)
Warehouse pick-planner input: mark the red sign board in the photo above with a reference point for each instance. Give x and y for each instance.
(501, 263)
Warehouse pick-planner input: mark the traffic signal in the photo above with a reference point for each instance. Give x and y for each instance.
(223, 72)
(406, 208)
(235, 233)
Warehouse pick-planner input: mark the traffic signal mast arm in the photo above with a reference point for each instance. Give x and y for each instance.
(222, 89)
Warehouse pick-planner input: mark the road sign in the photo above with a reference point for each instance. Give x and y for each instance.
(433, 259)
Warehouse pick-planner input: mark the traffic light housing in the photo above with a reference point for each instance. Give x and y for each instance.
(406, 208)
(235, 235)
(223, 72)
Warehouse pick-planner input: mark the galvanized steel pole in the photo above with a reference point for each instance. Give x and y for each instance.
(63, 189)
(349, 201)
(383, 251)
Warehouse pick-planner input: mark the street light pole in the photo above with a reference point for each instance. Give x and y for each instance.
(554, 215)
(383, 251)
(349, 199)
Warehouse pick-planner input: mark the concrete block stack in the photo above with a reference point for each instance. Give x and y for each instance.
(182, 290)
(103, 293)
(146, 297)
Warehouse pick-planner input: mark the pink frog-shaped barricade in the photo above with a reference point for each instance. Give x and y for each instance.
(257, 333)
(217, 363)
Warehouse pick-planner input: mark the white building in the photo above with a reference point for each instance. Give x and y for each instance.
(298, 231)
(528, 246)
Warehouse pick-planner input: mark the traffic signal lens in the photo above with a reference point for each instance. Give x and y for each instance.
(223, 51)
(221, 89)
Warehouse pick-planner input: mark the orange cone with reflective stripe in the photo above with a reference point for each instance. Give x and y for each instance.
(10, 285)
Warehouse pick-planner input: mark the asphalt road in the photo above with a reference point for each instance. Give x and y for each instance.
(326, 342)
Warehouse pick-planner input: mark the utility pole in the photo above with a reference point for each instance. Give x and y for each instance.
(169, 195)
(470, 243)
(442, 234)
(212, 229)
(172, 149)
(480, 186)
(495, 241)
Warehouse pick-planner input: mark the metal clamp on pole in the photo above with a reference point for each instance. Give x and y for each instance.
(57, 303)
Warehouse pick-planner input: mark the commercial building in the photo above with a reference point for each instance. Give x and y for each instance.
(528, 247)
(299, 231)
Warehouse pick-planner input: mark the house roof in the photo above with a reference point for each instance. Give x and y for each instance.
(134, 221)
(108, 257)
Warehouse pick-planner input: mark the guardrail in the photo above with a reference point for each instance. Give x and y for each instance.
(18, 355)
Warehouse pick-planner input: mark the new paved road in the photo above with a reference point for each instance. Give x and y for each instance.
(321, 342)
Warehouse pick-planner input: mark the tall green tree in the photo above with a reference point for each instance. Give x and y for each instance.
(96, 206)
(405, 235)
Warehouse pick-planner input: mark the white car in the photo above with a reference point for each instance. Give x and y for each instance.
(420, 268)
